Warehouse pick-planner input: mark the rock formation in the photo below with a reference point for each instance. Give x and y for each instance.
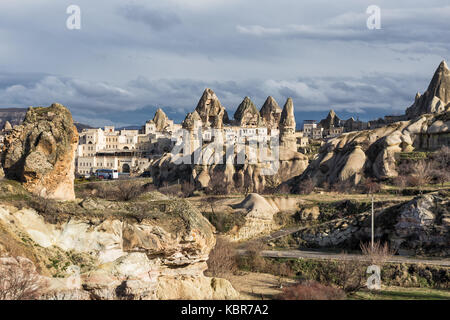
(271, 113)
(250, 175)
(437, 97)
(287, 127)
(371, 153)
(415, 226)
(332, 120)
(160, 120)
(247, 115)
(258, 217)
(246, 177)
(191, 120)
(211, 111)
(156, 253)
(40, 152)
(7, 126)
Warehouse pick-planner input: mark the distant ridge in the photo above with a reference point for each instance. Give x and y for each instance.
(14, 116)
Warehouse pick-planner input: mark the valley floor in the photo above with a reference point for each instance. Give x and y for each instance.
(257, 286)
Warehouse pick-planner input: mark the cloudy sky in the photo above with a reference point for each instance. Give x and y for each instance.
(130, 57)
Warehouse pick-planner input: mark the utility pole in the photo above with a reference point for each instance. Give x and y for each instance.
(372, 224)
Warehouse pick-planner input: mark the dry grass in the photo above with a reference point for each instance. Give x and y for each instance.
(222, 259)
(379, 254)
(311, 290)
(18, 280)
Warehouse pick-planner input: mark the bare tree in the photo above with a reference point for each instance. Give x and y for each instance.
(422, 172)
(218, 184)
(222, 259)
(311, 290)
(370, 186)
(18, 279)
(187, 188)
(306, 186)
(348, 273)
(127, 190)
(379, 254)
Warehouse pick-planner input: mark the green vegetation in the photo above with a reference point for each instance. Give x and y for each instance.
(400, 293)
(324, 271)
(225, 221)
(414, 155)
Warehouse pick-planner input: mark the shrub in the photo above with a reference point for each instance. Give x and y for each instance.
(282, 189)
(441, 158)
(343, 187)
(18, 280)
(171, 191)
(422, 172)
(224, 221)
(306, 186)
(379, 254)
(121, 190)
(127, 190)
(218, 185)
(252, 260)
(348, 274)
(47, 207)
(370, 186)
(400, 181)
(187, 189)
(311, 290)
(222, 259)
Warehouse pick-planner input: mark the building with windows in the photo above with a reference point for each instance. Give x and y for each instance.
(124, 150)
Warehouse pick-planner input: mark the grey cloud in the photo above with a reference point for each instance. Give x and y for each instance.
(141, 96)
(406, 25)
(156, 19)
(321, 55)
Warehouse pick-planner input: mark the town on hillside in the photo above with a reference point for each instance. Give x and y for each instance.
(131, 151)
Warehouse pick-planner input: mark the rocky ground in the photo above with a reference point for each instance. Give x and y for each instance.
(149, 248)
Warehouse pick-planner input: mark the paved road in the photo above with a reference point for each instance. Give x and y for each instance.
(299, 254)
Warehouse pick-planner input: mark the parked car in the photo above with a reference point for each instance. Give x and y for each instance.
(107, 174)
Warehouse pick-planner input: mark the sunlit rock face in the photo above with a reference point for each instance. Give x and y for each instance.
(161, 255)
(436, 98)
(40, 152)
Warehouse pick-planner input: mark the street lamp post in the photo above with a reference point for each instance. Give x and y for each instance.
(372, 224)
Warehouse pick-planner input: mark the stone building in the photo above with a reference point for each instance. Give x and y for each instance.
(124, 150)
(132, 151)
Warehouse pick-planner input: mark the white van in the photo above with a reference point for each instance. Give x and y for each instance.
(107, 174)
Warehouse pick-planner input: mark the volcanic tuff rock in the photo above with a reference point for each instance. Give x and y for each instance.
(211, 111)
(145, 249)
(332, 120)
(371, 153)
(160, 120)
(414, 225)
(40, 153)
(251, 176)
(247, 115)
(287, 127)
(7, 126)
(190, 120)
(437, 97)
(271, 113)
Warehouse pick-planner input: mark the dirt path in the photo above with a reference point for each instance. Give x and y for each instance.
(258, 286)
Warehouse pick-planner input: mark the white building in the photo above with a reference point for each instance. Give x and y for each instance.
(308, 128)
(123, 150)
